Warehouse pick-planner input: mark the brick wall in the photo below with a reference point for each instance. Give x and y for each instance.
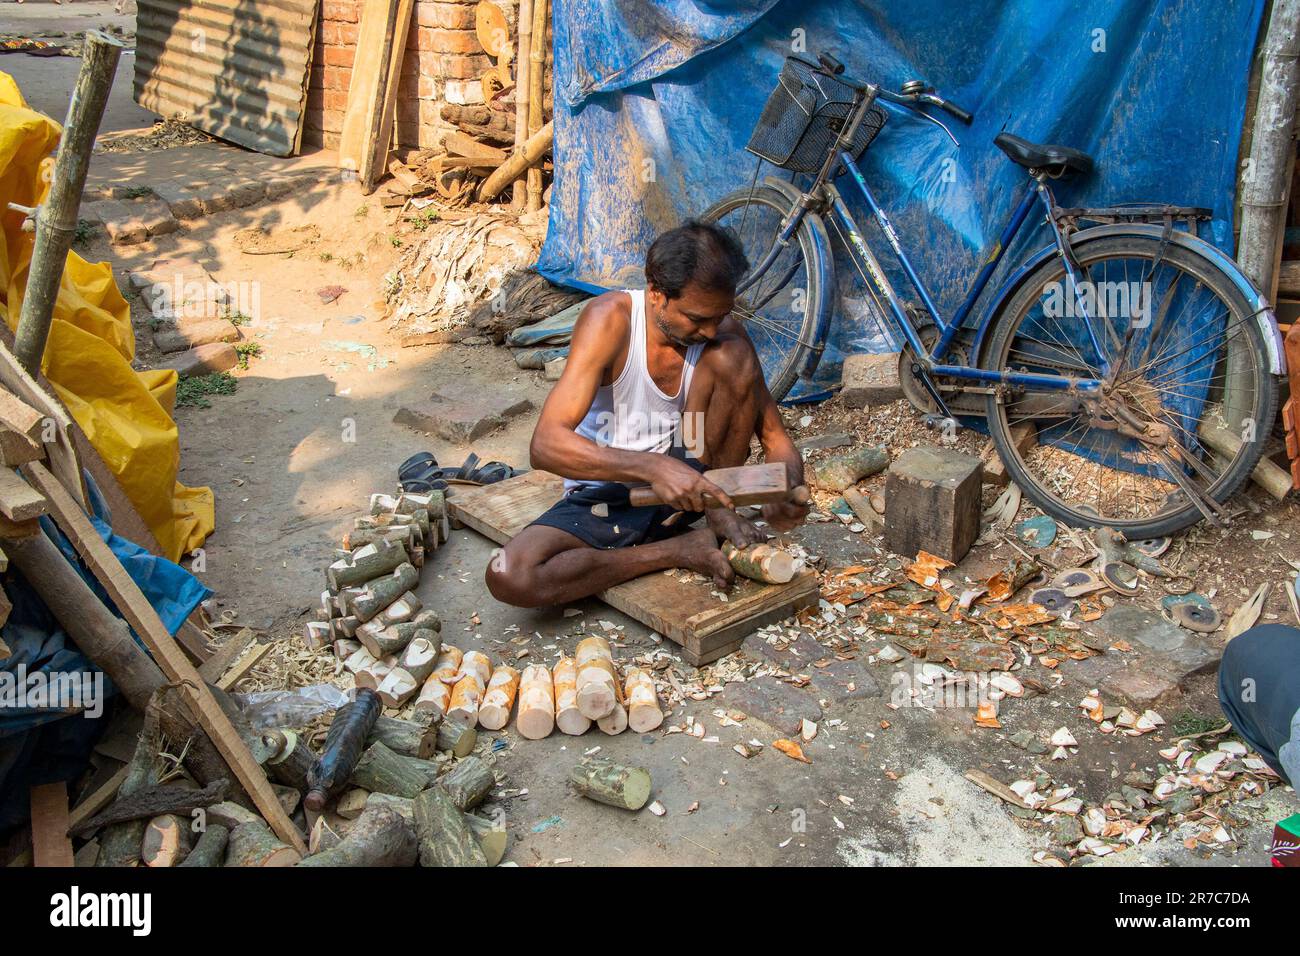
(442, 64)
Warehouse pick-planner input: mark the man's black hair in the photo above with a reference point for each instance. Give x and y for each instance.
(698, 252)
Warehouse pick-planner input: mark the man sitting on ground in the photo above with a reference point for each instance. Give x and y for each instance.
(659, 386)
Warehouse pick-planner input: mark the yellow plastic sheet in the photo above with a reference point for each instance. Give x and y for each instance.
(125, 413)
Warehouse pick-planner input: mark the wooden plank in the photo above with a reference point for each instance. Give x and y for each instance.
(746, 484)
(376, 158)
(687, 614)
(20, 417)
(243, 666)
(995, 787)
(19, 501)
(366, 88)
(139, 613)
(215, 666)
(61, 451)
(102, 797)
(51, 845)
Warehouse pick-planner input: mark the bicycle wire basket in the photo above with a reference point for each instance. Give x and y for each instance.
(804, 116)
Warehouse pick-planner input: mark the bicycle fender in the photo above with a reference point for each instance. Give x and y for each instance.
(1262, 313)
(825, 274)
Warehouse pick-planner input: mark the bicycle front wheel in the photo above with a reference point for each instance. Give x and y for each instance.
(1188, 398)
(783, 307)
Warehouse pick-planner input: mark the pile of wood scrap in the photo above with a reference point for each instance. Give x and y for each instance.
(496, 144)
(457, 265)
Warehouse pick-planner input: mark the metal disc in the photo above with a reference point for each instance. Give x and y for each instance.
(1194, 616)
(1077, 582)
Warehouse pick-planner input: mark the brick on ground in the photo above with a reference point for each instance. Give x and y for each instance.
(870, 380)
(932, 502)
(461, 421)
(190, 334)
(203, 360)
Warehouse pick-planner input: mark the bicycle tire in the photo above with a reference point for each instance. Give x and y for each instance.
(781, 368)
(1142, 247)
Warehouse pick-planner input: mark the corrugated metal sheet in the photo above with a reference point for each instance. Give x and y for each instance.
(234, 68)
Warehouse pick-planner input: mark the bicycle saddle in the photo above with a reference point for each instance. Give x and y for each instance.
(1036, 156)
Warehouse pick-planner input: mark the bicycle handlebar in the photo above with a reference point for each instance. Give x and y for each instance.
(829, 66)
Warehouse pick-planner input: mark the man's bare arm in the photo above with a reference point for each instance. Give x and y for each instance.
(557, 447)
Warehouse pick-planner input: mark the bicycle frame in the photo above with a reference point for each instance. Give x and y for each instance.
(824, 191)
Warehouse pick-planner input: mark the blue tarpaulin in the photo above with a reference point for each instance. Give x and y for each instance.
(655, 101)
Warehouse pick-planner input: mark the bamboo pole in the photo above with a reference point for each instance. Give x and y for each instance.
(509, 171)
(56, 218)
(1264, 183)
(523, 60)
(536, 94)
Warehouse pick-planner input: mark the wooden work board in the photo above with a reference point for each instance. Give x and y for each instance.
(686, 613)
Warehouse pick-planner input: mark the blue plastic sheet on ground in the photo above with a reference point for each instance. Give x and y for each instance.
(655, 102)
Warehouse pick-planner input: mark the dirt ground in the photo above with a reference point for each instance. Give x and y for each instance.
(884, 786)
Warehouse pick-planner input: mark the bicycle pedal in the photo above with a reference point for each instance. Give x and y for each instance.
(940, 423)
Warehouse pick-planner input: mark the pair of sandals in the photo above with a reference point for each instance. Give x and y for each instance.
(421, 473)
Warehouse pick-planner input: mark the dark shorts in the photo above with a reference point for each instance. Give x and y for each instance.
(601, 517)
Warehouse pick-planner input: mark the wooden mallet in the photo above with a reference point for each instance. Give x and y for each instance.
(745, 484)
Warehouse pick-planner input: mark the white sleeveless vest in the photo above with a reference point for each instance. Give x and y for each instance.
(632, 413)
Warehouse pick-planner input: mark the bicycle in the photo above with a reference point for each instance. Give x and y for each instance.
(1141, 357)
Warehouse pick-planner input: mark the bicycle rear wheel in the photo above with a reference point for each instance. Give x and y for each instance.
(1184, 414)
(785, 307)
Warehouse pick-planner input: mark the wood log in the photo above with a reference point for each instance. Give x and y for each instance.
(373, 674)
(643, 713)
(167, 841)
(322, 837)
(499, 698)
(352, 803)
(456, 738)
(253, 844)
(471, 684)
(597, 679)
(210, 850)
(469, 782)
(316, 634)
(380, 770)
(615, 722)
(385, 637)
(397, 688)
(610, 783)
(382, 592)
(447, 666)
(434, 697)
(492, 839)
(158, 800)
(408, 536)
(291, 759)
(420, 654)
(380, 837)
(762, 562)
(119, 844)
(229, 815)
(344, 742)
(1273, 479)
(443, 835)
(345, 647)
(837, 472)
(568, 717)
(522, 88)
(407, 737)
(365, 565)
(536, 703)
(519, 164)
(862, 508)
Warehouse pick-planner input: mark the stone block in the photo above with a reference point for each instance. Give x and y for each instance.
(462, 422)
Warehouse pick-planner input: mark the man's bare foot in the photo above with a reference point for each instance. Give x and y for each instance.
(728, 525)
(699, 552)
